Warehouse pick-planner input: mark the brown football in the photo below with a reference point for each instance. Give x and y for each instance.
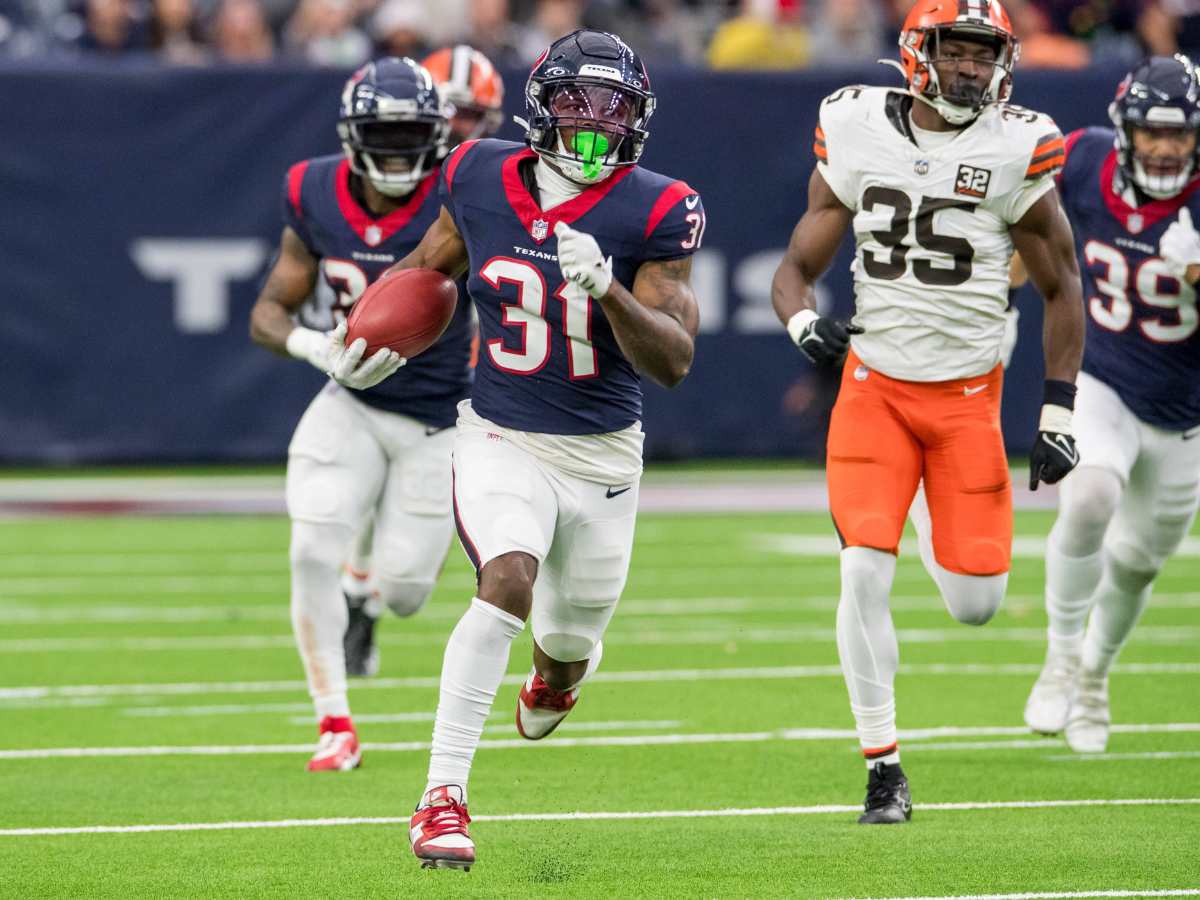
(406, 311)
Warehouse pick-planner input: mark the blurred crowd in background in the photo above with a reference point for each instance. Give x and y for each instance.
(723, 34)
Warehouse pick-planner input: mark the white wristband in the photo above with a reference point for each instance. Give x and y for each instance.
(309, 345)
(1055, 418)
(797, 323)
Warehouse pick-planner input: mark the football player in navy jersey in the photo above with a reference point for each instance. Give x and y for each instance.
(380, 452)
(1132, 193)
(471, 92)
(578, 262)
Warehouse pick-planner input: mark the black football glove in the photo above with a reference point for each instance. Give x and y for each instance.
(1054, 453)
(825, 341)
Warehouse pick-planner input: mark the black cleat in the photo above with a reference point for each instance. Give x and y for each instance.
(362, 656)
(888, 800)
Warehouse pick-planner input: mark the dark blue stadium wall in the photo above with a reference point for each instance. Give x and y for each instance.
(141, 208)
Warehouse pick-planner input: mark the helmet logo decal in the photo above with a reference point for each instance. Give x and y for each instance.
(921, 167)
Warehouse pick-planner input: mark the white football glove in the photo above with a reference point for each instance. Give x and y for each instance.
(310, 346)
(347, 368)
(581, 260)
(1180, 245)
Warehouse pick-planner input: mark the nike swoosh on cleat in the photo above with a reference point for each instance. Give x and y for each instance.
(610, 493)
(967, 391)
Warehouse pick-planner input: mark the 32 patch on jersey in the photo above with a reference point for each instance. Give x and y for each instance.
(972, 182)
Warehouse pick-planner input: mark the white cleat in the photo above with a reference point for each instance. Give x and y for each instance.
(437, 831)
(1088, 723)
(540, 708)
(1049, 702)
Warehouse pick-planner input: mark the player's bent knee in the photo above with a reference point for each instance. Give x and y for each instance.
(403, 597)
(973, 599)
(1131, 577)
(507, 582)
(564, 646)
(872, 532)
(315, 546)
(1091, 497)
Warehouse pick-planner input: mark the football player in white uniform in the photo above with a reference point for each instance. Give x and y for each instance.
(1131, 193)
(939, 182)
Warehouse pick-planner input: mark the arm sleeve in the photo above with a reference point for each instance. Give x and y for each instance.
(675, 226)
(293, 204)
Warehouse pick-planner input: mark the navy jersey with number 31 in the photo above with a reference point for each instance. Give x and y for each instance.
(548, 359)
(1143, 331)
(354, 248)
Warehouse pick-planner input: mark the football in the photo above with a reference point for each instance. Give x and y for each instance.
(406, 311)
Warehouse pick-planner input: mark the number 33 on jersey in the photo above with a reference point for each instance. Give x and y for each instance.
(931, 218)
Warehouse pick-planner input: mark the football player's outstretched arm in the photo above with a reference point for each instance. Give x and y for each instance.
(442, 249)
(655, 322)
(812, 246)
(1047, 249)
(290, 282)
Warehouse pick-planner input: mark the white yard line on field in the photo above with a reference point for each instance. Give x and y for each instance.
(606, 816)
(40, 614)
(1024, 546)
(1063, 895)
(1121, 757)
(1146, 634)
(913, 738)
(748, 673)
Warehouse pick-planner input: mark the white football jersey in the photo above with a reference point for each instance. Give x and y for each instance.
(931, 226)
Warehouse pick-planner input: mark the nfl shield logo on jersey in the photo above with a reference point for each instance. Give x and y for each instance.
(1135, 223)
(540, 229)
(373, 235)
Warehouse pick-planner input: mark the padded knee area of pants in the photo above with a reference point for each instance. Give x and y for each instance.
(972, 599)
(318, 547)
(1087, 501)
(403, 597)
(1129, 579)
(877, 532)
(981, 558)
(565, 646)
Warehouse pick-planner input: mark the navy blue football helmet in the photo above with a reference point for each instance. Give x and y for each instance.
(1160, 93)
(392, 125)
(588, 100)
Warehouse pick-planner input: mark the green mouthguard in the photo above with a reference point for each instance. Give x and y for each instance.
(591, 147)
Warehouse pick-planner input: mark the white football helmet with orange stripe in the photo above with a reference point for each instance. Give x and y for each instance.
(928, 25)
(472, 90)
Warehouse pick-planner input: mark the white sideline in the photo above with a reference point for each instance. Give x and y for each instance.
(653, 675)
(1105, 757)
(1062, 895)
(624, 740)
(592, 816)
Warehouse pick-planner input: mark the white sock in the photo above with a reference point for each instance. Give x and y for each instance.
(1074, 553)
(868, 649)
(319, 612)
(472, 669)
(1120, 600)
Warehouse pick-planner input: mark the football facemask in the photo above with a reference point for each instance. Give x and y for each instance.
(592, 122)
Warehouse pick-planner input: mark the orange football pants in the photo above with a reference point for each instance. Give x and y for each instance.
(887, 435)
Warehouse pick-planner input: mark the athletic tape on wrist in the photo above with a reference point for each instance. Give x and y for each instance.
(1055, 418)
(797, 323)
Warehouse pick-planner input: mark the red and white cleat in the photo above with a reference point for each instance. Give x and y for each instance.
(540, 708)
(438, 830)
(337, 748)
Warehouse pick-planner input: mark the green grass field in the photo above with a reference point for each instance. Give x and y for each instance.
(719, 692)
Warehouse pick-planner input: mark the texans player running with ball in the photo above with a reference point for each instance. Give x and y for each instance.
(380, 452)
(471, 92)
(1131, 192)
(939, 182)
(578, 263)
